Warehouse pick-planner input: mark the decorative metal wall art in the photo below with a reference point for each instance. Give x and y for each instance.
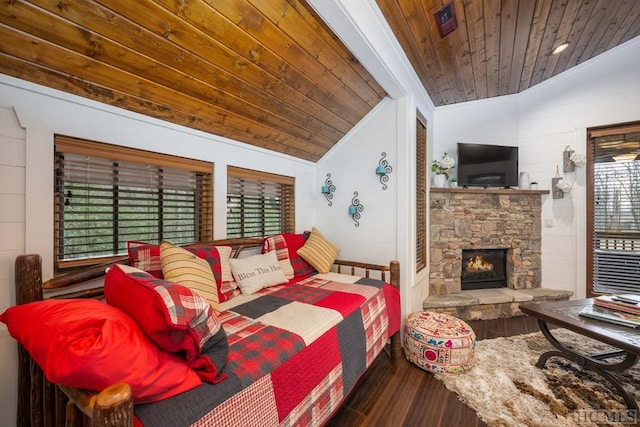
(328, 189)
(355, 208)
(383, 170)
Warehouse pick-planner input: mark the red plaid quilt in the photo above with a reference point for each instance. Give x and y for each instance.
(295, 353)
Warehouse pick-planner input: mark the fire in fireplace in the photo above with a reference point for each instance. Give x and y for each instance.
(484, 268)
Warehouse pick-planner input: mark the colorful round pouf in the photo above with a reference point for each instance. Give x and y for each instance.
(439, 342)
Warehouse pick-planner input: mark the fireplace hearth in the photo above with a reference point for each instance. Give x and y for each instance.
(484, 268)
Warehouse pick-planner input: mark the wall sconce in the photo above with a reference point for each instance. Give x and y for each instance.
(355, 208)
(567, 164)
(383, 170)
(328, 188)
(571, 159)
(556, 186)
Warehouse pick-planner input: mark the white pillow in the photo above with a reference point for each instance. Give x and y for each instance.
(256, 272)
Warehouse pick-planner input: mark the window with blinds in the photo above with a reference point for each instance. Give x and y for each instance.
(421, 194)
(107, 195)
(614, 196)
(259, 204)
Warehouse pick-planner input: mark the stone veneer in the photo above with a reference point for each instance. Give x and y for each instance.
(484, 219)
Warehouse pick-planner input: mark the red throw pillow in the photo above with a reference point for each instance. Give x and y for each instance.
(88, 344)
(175, 317)
(218, 259)
(287, 246)
(145, 256)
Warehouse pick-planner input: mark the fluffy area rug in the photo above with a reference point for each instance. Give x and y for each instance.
(505, 388)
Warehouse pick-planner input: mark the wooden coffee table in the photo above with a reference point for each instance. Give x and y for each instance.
(565, 314)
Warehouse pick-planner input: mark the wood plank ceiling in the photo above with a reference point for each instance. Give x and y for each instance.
(267, 73)
(270, 72)
(503, 47)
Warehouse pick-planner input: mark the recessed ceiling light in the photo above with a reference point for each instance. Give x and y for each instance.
(560, 48)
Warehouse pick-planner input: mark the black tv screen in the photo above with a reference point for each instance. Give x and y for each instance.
(481, 165)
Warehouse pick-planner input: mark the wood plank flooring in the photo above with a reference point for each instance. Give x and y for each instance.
(405, 395)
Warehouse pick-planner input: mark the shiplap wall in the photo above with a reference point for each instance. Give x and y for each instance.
(12, 224)
(603, 91)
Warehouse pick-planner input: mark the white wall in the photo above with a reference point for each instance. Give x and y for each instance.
(30, 116)
(386, 223)
(12, 226)
(557, 113)
(489, 121)
(542, 121)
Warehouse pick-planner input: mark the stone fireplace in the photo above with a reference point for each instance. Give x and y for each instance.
(501, 224)
(484, 219)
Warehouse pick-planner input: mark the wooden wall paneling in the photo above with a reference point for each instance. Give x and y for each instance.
(524, 22)
(282, 57)
(272, 73)
(50, 56)
(446, 52)
(598, 25)
(492, 45)
(538, 25)
(314, 43)
(122, 58)
(474, 17)
(203, 34)
(597, 17)
(508, 21)
(459, 40)
(428, 71)
(634, 25)
(549, 39)
(314, 21)
(613, 33)
(418, 19)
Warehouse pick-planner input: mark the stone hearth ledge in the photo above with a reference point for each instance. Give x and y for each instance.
(484, 304)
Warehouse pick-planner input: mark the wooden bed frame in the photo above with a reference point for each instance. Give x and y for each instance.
(41, 403)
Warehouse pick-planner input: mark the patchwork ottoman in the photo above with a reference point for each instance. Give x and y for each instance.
(439, 342)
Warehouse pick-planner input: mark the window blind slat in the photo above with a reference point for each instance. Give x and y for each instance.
(102, 202)
(258, 207)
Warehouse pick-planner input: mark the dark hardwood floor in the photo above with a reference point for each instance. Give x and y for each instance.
(405, 395)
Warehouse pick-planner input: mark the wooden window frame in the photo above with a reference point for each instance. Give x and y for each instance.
(199, 173)
(592, 135)
(283, 185)
(421, 193)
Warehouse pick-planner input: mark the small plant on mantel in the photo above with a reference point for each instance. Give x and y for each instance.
(533, 185)
(444, 165)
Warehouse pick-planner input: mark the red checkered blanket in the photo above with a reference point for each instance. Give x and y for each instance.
(295, 353)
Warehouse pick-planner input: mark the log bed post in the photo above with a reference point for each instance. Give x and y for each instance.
(41, 403)
(396, 346)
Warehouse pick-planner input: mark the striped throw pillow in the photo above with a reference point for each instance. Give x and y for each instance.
(185, 268)
(319, 251)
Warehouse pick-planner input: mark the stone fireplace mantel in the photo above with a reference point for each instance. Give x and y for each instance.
(463, 218)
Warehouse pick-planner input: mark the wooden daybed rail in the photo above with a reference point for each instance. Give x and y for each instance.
(41, 403)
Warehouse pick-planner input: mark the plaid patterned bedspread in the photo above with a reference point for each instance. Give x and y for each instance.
(295, 353)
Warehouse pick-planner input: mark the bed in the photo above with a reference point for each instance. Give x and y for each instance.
(286, 354)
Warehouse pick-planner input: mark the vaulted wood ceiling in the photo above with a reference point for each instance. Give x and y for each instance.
(503, 47)
(270, 72)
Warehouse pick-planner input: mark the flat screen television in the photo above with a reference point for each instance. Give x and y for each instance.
(482, 165)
